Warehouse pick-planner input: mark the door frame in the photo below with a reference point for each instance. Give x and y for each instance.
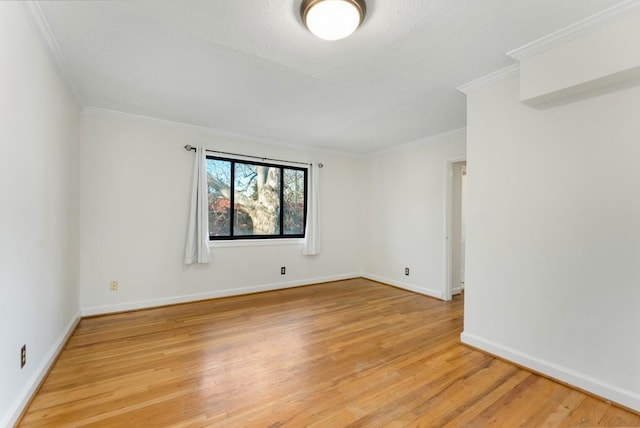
(448, 225)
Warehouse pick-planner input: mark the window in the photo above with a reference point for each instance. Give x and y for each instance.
(250, 200)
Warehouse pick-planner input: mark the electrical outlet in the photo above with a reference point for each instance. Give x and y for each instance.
(406, 271)
(23, 356)
(114, 286)
(283, 270)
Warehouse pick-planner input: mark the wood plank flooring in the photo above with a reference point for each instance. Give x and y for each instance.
(349, 353)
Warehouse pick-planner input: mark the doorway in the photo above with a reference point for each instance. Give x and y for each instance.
(458, 227)
(455, 229)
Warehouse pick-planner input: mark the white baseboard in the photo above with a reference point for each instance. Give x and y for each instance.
(580, 380)
(22, 400)
(164, 301)
(405, 286)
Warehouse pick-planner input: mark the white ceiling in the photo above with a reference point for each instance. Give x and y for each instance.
(250, 67)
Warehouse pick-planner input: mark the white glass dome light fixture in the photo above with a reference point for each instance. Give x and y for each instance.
(333, 19)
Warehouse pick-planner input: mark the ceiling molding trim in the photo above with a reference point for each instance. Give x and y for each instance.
(573, 31)
(39, 23)
(490, 79)
(103, 112)
(420, 142)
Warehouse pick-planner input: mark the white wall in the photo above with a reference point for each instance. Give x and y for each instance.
(135, 190)
(38, 219)
(553, 236)
(406, 203)
(604, 56)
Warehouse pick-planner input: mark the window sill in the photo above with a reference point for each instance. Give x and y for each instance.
(256, 242)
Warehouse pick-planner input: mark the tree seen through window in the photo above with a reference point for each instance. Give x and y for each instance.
(255, 200)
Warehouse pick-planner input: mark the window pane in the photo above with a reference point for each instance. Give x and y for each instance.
(219, 188)
(293, 210)
(261, 200)
(257, 200)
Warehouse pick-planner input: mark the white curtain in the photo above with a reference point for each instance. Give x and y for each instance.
(311, 245)
(197, 249)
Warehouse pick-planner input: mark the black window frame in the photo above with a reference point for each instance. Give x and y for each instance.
(281, 167)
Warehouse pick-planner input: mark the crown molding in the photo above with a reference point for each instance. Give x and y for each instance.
(420, 142)
(40, 25)
(490, 79)
(189, 127)
(103, 112)
(570, 32)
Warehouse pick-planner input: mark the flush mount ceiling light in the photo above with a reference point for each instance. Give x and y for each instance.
(333, 19)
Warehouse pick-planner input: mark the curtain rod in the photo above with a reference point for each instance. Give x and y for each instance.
(189, 148)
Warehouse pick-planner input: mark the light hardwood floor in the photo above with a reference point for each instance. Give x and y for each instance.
(353, 353)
